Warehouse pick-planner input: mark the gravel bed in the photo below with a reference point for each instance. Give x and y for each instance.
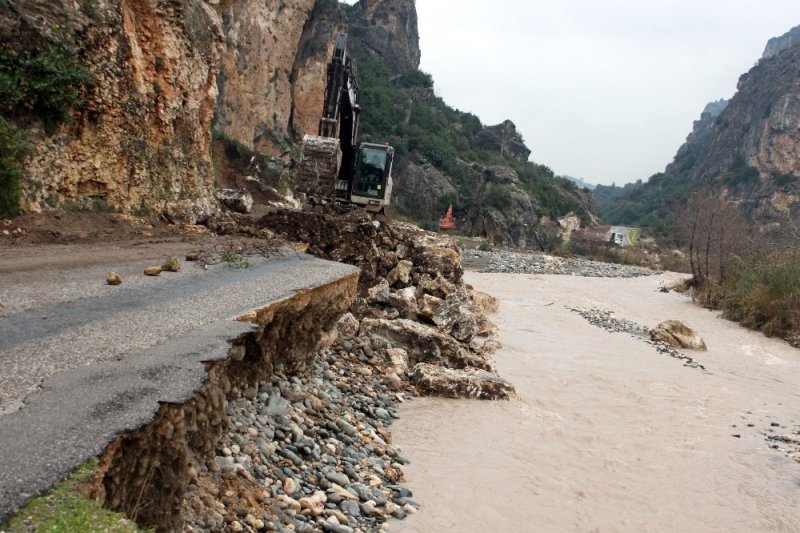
(541, 263)
(307, 453)
(605, 319)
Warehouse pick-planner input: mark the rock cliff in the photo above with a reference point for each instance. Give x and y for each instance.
(165, 73)
(140, 139)
(777, 45)
(749, 147)
(503, 139)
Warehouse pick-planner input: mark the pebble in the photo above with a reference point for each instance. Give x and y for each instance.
(316, 445)
(606, 319)
(541, 263)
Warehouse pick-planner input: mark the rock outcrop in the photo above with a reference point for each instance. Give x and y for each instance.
(503, 139)
(503, 211)
(748, 147)
(141, 137)
(256, 89)
(388, 30)
(777, 45)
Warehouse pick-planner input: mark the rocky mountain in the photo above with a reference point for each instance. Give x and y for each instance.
(152, 80)
(748, 148)
(777, 45)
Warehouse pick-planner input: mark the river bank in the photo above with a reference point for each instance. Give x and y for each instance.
(609, 433)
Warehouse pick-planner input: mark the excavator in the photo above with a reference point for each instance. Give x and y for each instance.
(335, 169)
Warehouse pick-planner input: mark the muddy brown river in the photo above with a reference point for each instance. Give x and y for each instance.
(608, 434)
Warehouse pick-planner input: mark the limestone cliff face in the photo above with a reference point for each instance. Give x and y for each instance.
(777, 45)
(388, 29)
(759, 127)
(273, 75)
(141, 138)
(256, 89)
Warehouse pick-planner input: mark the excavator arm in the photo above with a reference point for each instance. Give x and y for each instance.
(331, 169)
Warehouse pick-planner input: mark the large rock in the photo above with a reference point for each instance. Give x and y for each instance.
(462, 383)
(483, 303)
(678, 334)
(379, 293)
(504, 139)
(456, 317)
(405, 301)
(439, 286)
(236, 200)
(347, 325)
(424, 344)
(427, 306)
(401, 274)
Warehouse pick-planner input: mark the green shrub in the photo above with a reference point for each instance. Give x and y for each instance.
(44, 83)
(13, 148)
(235, 260)
(764, 295)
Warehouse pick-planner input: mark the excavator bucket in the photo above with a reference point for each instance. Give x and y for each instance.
(318, 168)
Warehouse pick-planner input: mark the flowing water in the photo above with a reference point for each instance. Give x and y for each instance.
(608, 434)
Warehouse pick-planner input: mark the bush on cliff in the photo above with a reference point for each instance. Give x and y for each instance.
(35, 83)
(13, 149)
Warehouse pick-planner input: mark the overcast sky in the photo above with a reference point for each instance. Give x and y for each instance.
(605, 90)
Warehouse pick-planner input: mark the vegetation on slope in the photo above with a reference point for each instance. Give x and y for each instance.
(36, 83)
(752, 276)
(404, 111)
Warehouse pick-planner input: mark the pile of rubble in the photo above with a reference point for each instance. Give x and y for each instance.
(311, 451)
(413, 304)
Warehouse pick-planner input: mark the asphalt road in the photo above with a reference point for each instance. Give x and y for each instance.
(82, 362)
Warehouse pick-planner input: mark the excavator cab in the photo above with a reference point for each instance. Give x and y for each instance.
(372, 180)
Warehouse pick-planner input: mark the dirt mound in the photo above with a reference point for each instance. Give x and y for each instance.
(62, 227)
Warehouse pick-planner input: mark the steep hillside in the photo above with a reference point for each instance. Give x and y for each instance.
(446, 156)
(748, 148)
(139, 87)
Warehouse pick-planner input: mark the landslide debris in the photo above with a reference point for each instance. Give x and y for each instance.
(411, 297)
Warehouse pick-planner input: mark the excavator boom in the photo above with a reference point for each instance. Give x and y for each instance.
(334, 168)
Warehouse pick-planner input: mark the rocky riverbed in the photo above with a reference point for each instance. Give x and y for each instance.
(509, 262)
(607, 320)
(308, 452)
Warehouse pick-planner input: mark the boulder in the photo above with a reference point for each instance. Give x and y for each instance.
(456, 317)
(405, 301)
(427, 306)
(347, 325)
(236, 200)
(152, 271)
(361, 308)
(474, 383)
(483, 303)
(438, 258)
(112, 278)
(678, 334)
(422, 343)
(379, 293)
(171, 265)
(398, 357)
(400, 274)
(439, 286)
(484, 327)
